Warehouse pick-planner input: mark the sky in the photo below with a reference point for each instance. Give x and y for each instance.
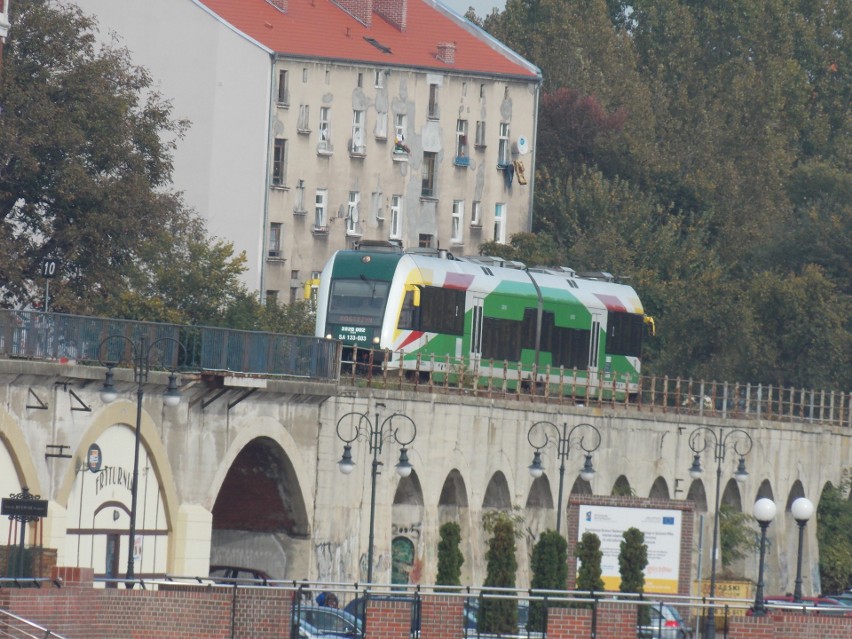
(481, 7)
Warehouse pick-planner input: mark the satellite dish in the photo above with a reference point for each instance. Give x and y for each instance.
(523, 145)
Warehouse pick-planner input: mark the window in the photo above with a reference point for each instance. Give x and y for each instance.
(304, 123)
(400, 126)
(279, 162)
(321, 210)
(358, 132)
(271, 298)
(275, 239)
(424, 240)
(624, 334)
(283, 88)
(480, 134)
(441, 310)
(325, 124)
(395, 231)
(461, 138)
(457, 221)
(376, 206)
(476, 213)
(500, 223)
(299, 199)
(433, 101)
(503, 145)
(304, 75)
(428, 174)
(464, 89)
(379, 79)
(506, 92)
(360, 80)
(327, 76)
(352, 212)
(481, 90)
(381, 129)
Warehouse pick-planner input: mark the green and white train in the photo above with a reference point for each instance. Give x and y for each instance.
(432, 313)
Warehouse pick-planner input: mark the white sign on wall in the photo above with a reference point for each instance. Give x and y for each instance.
(662, 530)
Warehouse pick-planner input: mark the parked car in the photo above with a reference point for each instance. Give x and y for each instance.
(358, 608)
(471, 620)
(845, 599)
(229, 574)
(820, 605)
(318, 622)
(665, 622)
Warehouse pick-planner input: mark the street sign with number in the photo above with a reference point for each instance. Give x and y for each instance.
(49, 268)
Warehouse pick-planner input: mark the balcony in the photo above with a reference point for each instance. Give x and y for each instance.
(319, 230)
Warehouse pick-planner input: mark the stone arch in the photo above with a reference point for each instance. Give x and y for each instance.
(497, 493)
(454, 491)
(539, 511)
(581, 487)
(765, 491)
(540, 495)
(731, 501)
(789, 547)
(259, 516)
(407, 531)
(622, 487)
(697, 495)
(659, 490)
(453, 506)
(796, 491)
(731, 496)
(16, 466)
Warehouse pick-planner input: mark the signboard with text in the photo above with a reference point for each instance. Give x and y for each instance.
(662, 530)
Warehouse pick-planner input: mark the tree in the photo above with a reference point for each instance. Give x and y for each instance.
(632, 560)
(500, 615)
(450, 557)
(549, 572)
(85, 176)
(736, 536)
(589, 554)
(834, 535)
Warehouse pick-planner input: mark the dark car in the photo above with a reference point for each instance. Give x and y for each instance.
(236, 574)
(665, 622)
(318, 622)
(471, 620)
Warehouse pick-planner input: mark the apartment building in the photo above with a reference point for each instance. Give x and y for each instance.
(316, 125)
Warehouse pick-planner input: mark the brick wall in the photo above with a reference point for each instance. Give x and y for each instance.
(394, 11)
(80, 611)
(361, 10)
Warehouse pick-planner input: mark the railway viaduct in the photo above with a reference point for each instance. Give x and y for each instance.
(244, 472)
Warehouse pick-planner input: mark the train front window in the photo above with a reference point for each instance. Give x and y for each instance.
(360, 301)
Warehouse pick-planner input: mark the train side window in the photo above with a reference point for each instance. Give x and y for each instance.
(442, 310)
(624, 334)
(409, 315)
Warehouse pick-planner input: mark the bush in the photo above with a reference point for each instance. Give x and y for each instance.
(549, 572)
(450, 557)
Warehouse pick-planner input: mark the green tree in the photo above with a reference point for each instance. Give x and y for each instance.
(85, 176)
(500, 615)
(549, 568)
(450, 557)
(589, 554)
(736, 535)
(632, 560)
(834, 535)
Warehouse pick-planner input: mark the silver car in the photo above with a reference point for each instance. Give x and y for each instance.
(665, 623)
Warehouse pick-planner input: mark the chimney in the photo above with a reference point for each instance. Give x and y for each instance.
(281, 5)
(361, 10)
(447, 52)
(394, 11)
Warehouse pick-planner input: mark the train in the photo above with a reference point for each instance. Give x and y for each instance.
(429, 312)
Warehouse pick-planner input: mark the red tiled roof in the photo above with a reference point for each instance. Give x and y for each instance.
(321, 29)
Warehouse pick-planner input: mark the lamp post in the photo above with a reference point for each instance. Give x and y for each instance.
(141, 361)
(700, 440)
(562, 440)
(764, 511)
(803, 510)
(377, 432)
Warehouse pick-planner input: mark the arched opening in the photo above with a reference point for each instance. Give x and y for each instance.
(407, 531)
(453, 506)
(581, 487)
(622, 488)
(735, 532)
(765, 491)
(834, 536)
(697, 496)
(539, 511)
(259, 518)
(789, 551)
(497, 493)
(660, 489)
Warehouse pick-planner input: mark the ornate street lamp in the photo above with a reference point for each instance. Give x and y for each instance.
(358, 425)
(700, 440)
(141, 362)
(803, 510)
(764, 511)
(562, 440)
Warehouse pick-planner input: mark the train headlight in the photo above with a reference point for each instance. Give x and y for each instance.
(328, 336)
(376, 339)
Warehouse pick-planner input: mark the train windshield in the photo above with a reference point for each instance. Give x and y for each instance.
(358, 301)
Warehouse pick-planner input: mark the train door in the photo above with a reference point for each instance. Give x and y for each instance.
(475, 353)
(594, 352)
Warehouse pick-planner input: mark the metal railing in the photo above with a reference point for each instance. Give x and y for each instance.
(71, 338)
(15, 627)
(570, 386)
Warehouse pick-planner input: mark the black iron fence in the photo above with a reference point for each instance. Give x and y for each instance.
(70, 338)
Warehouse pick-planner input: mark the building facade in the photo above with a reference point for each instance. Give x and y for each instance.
(4, 24)
(315, 125)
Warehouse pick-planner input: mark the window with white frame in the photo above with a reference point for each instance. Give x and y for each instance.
(358, 131)
(304, 123)
(304, 75)
(461, 138)
(299, 199)
(352, 212)
(395, 230)
(325, 124)
(500, 223)
(376, 206)
(321, 210)
(457, 235)
(283, 87)
(275, 239)
(503, 157)
(379, 79)
(476, 213)
(360, 80)
(433, 101)
(279, 162)
(479, 141)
